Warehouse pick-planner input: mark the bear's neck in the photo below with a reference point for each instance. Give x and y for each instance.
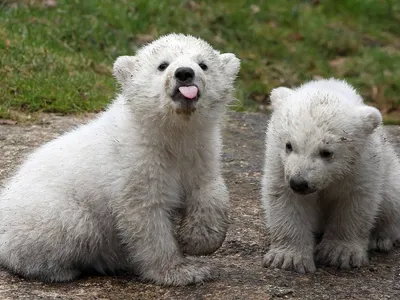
(166, 129)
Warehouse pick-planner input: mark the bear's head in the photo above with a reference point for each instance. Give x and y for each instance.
(177, 74)
(318, 135)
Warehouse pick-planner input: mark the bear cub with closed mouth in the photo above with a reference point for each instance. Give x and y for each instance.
(331, 173)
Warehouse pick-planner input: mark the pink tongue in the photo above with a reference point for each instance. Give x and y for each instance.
(189, 91)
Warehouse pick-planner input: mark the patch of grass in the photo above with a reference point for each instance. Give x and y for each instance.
(56, 56)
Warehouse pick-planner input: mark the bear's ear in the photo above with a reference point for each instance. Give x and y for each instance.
(123, 68)
(279, 95)
(230, 64)
(371, 118)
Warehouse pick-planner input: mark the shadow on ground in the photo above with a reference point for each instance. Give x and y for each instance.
(238, 261)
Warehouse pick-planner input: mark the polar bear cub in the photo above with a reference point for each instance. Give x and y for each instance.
(104, 196)
(329, 172)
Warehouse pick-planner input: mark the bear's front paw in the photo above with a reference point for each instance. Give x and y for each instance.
(343, 255)
(289, 260)
(184, 273)
(201, 239)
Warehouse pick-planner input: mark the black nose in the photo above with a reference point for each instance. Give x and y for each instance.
(184, 74)
(298, 184)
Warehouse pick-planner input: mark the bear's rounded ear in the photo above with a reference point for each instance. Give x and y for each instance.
(230, 64)
(123, 68)
(371, 118)
(279, 95)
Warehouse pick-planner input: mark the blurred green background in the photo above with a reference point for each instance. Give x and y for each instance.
(57, 56)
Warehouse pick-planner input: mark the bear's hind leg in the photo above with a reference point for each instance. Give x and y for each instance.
(383, 236)
(52, 275)
(387, 228)
(49, 243)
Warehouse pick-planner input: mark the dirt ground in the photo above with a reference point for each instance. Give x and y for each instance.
(238, 261)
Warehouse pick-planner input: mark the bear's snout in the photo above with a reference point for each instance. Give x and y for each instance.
(300, 185)
(186, 92)
(184, 74)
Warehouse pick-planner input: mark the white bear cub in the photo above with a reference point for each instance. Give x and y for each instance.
(106, 196)
(330, 175)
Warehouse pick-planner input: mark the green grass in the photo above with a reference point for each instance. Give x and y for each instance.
(59, 59)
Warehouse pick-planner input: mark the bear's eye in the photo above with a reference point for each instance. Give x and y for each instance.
(289, 147)
(325, 154)
(163, 66)
(203, 66)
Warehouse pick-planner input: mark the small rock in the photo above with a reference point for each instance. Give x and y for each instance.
(7, 122)
(282, 292)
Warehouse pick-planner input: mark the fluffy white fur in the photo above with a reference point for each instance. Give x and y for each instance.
(324, 143)
(104, 196)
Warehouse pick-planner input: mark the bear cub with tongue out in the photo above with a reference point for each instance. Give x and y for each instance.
(136, 188)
